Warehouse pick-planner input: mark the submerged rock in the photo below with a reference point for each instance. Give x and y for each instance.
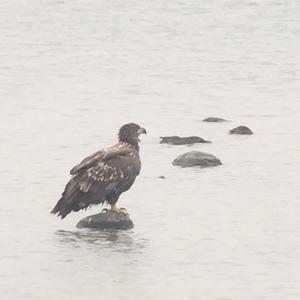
(107, 219)
(176, 140)
(241, 130)
(196, 158)
(213, 119)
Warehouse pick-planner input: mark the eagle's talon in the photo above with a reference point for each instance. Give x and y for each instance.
(118, 210)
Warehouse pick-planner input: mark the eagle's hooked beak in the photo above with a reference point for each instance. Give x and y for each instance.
(142, 131)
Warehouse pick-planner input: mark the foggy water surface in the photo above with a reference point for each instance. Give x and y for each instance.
(72, 72)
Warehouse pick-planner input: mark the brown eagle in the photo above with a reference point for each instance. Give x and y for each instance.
(104, 175)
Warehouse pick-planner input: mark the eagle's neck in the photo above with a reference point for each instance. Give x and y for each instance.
(131, 142)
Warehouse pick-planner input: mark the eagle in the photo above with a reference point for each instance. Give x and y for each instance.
(104, 175)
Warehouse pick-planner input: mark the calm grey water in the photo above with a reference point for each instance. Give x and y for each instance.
(72, 72)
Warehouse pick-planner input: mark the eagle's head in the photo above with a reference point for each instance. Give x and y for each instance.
(129, 133)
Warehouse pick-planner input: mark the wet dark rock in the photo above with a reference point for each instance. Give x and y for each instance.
(176, 140)
(241, 130)
(107, 219)
(215, 120)
(196, 158)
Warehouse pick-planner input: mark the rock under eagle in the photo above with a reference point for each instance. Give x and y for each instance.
(104, 175)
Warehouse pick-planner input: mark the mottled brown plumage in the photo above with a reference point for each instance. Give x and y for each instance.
(104, 175)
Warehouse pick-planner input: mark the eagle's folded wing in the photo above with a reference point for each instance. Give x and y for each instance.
(101, 155)
(87, 162)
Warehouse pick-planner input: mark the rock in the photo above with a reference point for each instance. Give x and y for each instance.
(215, 120)
(107, 219)
(241, 130)
(196, 158)
(161, 177)
(176, 140)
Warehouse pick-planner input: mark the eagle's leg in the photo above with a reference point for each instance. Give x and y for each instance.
(116, 209)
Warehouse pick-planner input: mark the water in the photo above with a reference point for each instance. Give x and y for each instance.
(72, 72)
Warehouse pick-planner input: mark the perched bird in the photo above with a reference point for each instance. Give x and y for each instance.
(103, 176)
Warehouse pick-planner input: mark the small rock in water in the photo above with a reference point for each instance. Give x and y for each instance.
(176, 140)
(161, 177)
(107, 219)
(215, 120)
(241, 130)
(196, 158)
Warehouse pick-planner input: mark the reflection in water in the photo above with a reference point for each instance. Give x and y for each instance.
(115, 240)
